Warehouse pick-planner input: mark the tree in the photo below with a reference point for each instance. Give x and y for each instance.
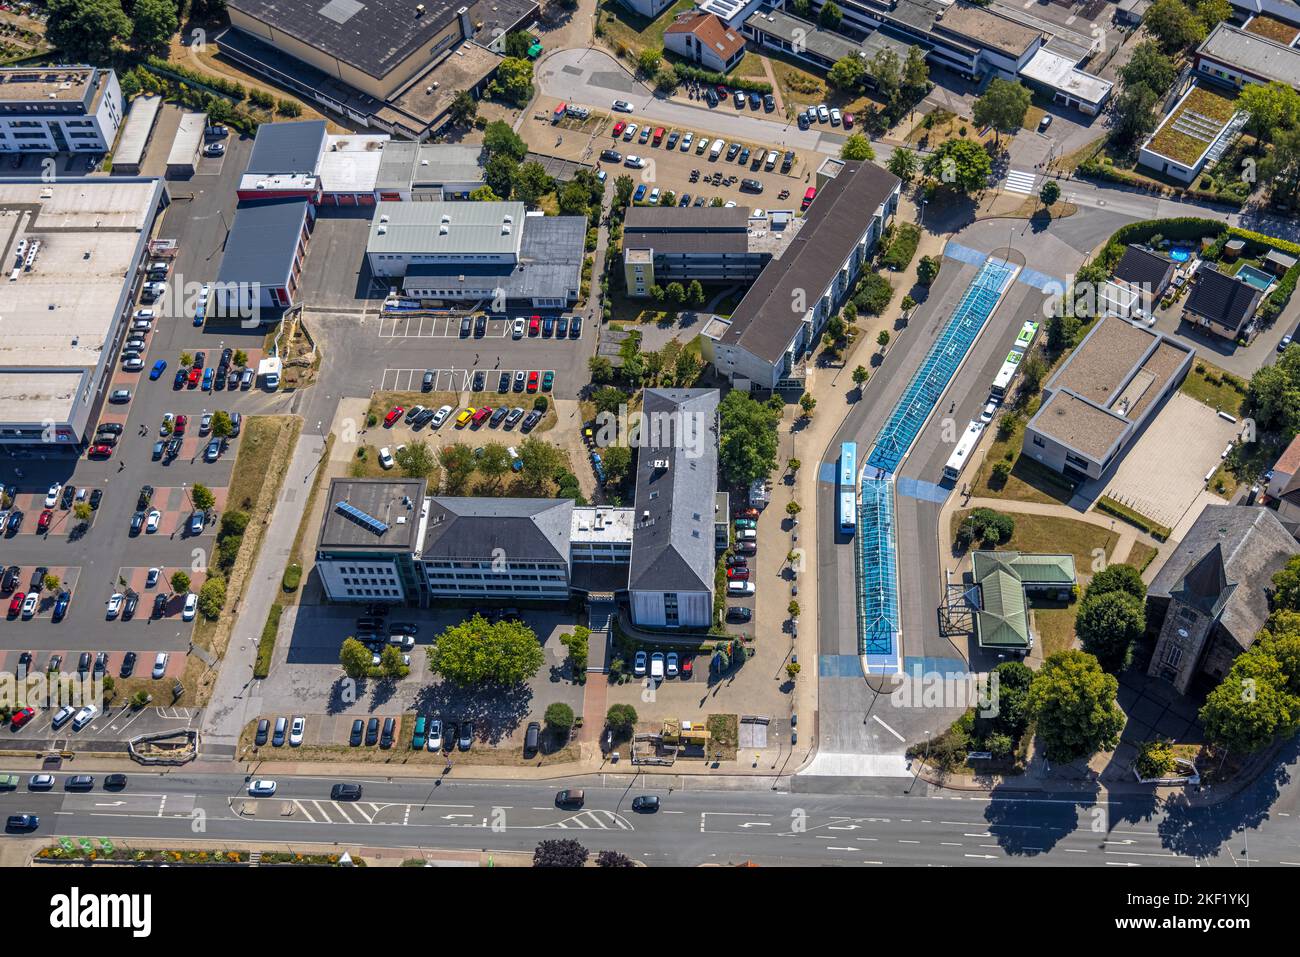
(847, 73)
(530, 183)
(458, 464)
(1155, 759)
(574, 200)
(1002, 106)
(1280, 169)
(860, 377)
(517, 43)
(514, 80)
(478, 652)
(1174, 25)
(1050, 192)
(559, 853)
(1212, 12)
(1014, 681)
(494, 463)
(621, 718)
(463, 109)
(560, 717)
(902, 163)
(500, 140)
(355, 659)
(794, 508)
(960, 165)
(1134, 114)
(1074, 703)
(857, 147)
(154, 22)
(1032, 371)
(609, 399)
(748, 444)
(484, 194)
(222, 427)
(916, 75)
(1271, 106)
(887, 72)
(577, 642)
(212, 597)
(613, 859)
(617, 462)
(202, 498)
(541, 461)
(1286, 585)
(499, 174)
(84, 31)
(927, 269)
(882, 340)
(675, 293)
(601, 369)
(1120, 578)
(1108, 624)
(391, 665)
(807, 403)
(830, 16)
(1149, 67)
(82, 511)
(1251, 706)
(416, 459)
(623, 189)
(647, 61)
(666, 79)
(50, 582)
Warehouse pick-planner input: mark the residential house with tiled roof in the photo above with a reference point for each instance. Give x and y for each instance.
(705, 39)
(1221, 303)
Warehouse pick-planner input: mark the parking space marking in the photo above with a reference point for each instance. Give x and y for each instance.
(437, 327)
(453, 380)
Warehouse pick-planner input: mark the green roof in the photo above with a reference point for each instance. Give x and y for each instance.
(1029, 568)
(1003, 620)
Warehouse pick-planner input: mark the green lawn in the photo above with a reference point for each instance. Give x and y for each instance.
(635, 32)
(1053, 535)
(1028, 481)
(1206, 383)
(1054, 626)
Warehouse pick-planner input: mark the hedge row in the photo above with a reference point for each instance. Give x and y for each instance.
(1124, 513)
(700, 75)
(1095, 169)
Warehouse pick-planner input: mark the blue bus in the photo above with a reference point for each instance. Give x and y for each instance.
(848, 487)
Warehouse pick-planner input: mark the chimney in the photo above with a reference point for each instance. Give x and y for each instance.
(466, 28)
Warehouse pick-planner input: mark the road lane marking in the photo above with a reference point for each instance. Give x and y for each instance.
(876, 718)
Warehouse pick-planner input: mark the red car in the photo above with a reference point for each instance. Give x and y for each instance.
(534, 325)
(16, 605)
(22, 716)
(178, 427)
(688, 667)
(848, 121)
(745, 513)
(393, 415)
(100, 452)
(532, 382)
(738, 573)
(619, 127)
(43, 523)
(194, 376)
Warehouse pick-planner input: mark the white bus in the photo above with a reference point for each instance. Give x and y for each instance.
(965, 446)
(1008, 372)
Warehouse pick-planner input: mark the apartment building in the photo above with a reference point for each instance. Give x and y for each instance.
(713, 244)
(59, 109)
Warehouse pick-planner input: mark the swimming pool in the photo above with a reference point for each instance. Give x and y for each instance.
(1180, 254)
(1255, 277)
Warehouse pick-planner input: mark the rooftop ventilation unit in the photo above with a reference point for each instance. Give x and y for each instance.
(444, 229)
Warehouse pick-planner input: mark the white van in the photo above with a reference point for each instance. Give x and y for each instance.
(746, 535)
(770, 162)
(740, 588)
(716, 149)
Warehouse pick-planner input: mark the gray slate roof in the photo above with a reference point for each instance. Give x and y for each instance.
(1141, 267)
(1254, 545)
(1222, 299)
(287, 148)
(263, 242)
(472, 529)
(672, 535)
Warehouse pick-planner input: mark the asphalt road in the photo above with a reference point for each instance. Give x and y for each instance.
(696, 825)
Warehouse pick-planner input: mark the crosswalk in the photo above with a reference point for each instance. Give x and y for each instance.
(1018, 182)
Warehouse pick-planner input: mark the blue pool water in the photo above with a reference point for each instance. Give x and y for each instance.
(1254, 277)
(1180, 254)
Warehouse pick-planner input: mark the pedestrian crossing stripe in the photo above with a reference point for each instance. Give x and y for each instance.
(1018, 182)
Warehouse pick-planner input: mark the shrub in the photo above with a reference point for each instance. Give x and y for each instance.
(292, 577)
(212, 597)
(560, 716)
(541, 404)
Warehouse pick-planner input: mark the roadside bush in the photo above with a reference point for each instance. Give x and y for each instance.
(292, 577)
(541, 403)
(228, 551)
(234, 523)
(901, 247)
(212, 598)
(873, 295)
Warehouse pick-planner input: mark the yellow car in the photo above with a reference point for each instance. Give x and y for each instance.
(462, 420)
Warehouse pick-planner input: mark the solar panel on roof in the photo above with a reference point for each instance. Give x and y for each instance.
(361, 518)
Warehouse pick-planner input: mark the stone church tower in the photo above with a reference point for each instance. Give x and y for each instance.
(1195, 604)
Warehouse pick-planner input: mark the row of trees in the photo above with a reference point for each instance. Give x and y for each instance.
(89, 31)
(898, 83)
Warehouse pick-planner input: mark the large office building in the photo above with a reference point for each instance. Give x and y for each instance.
(1236, 56)
(390, 64)
(59, 109)
(453, 252)
(369, 539)
(1099, 399)
(74, 251)
(766, 341)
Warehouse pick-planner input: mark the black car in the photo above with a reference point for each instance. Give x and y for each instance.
(128, 665)
(480, 379)
(358, 729)
(497, 416)
(404, 628)
(465, 327)
(11, 578)
(69, 493)
(130, 605)
(480, 326)
(611, 156)
(575, 327)
(198, 360)
(95, 497)
(146, 496)
(466, 739)
(372, 731)
(530, 421)
(24, 664)
(426, 384)
(449, 734)
(38, 578)
(15, 521)
(101, 664)
(114, 782)
(645, 803)
(83, 663)
(263, 728)
(369, 624)
(739, 614)
(159, 606)
(79, 782)
(737, 561)
(386, 738)
(503, 383)
(22, 822)
(346, 792)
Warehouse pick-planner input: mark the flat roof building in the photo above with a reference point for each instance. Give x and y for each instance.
(1235, 57)
(1102, 395)
(136, 133)
(263, 261)
(369, 536)
(428, 171)
(73, 250)
(59, 109)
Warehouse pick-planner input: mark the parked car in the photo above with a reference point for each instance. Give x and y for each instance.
(295, 730)
(190, 607)
(386, 737)
(278, 734)
(358, 731)
(645, 803)
(262, 787)
(466, 739)
(372, 731)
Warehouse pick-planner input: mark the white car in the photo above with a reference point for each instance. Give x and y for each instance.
(686, 142)
(114, 604)
(990, 410)
(622, 106)
(440, 416)
(159, 665)
(151, 523)
(701, 146)
(386, 458)
(84, 717)
(740, 588)
(672, 664)
(823, 114)
(434, 736)
(262, 787)
(518, 331)
(629, 131)
(191, 606)
(295, 731)
(639, 664)
(29, 605)
(654, 196)
(146, 315)
(835, 117)
(52, 496)
(635, 162)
